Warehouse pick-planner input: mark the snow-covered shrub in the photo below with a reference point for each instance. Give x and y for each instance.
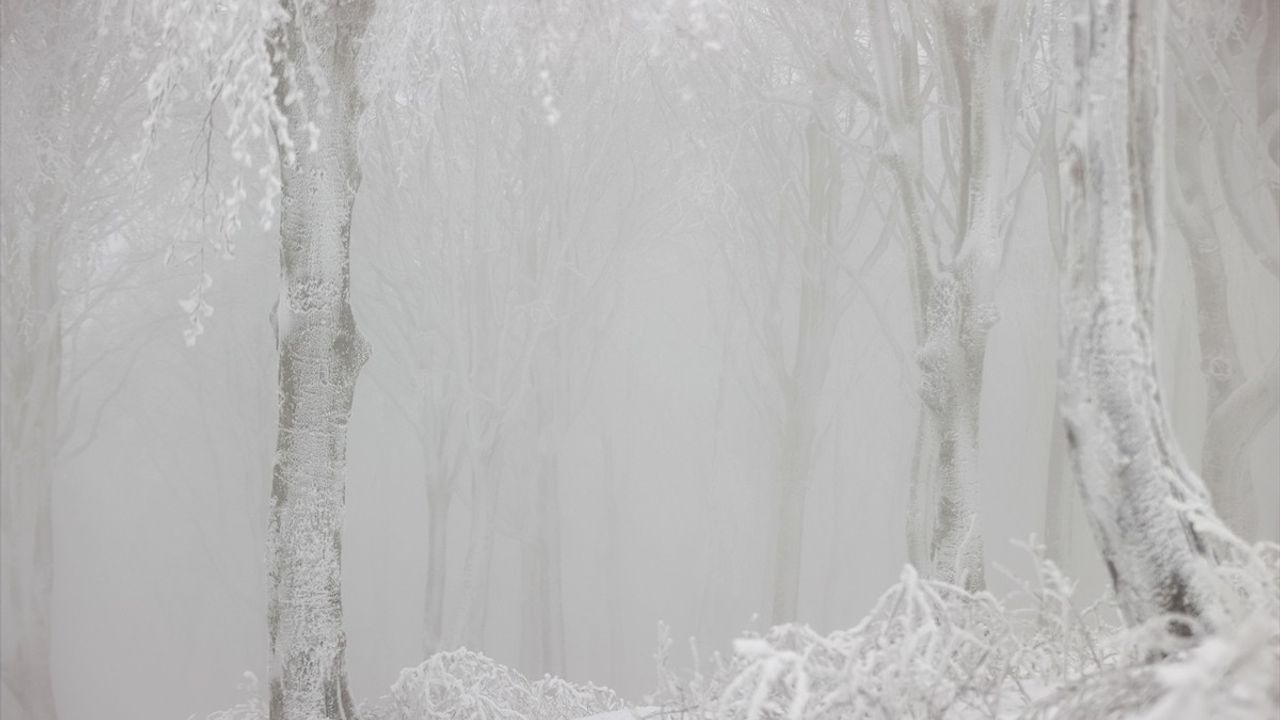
(925, 648)
(466, 685)
(932, 650)
(1059, 641)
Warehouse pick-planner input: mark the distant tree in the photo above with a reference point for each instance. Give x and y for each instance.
(1224, 70)
(787, 151)
(513, 186)
(77, 222)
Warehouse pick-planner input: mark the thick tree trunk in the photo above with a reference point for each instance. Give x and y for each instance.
(30, 377)
(321, 353)
(1130, 470)
(438, 501)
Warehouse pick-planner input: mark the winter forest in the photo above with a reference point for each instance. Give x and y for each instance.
(702, 359)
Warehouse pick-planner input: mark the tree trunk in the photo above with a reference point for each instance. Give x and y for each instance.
(789, 512)
(438, 501)
(1233, 426)
(551, 585)
(1228, 481)
(920, 497)
(1130, 470)
(951, 361)
(321, 353)
(543, 617)
(469, 631)
(30, 377)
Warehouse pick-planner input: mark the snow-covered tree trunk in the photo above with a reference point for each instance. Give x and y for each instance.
(951, 277)
(951, 360)
(1130, 470)
(31, 342)
(314, 54)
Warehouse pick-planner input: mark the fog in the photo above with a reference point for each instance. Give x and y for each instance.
(578, 262)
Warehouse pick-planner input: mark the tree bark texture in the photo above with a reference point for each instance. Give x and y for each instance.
(321, 353)
(1130, 470)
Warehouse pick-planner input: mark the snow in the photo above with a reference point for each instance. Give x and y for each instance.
(639, 713)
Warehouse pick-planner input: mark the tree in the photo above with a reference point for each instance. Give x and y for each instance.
(314, 55)
(1211, 62)
(970, 51)
(1141, 496)
(785, 145)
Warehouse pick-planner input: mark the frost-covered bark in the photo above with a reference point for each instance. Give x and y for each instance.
(952, 273)
(321, 352)
(1130, 470)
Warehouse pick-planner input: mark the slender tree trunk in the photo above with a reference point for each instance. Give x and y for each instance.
(613, 557)
(473, 609)
(543, 615)
(552, 585)
(30, 378)
(321, 353)
(438, 501)
(532, 611)
(789, 511)
(1130, 470)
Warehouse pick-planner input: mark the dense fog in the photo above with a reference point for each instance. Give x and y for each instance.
(642, 291)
